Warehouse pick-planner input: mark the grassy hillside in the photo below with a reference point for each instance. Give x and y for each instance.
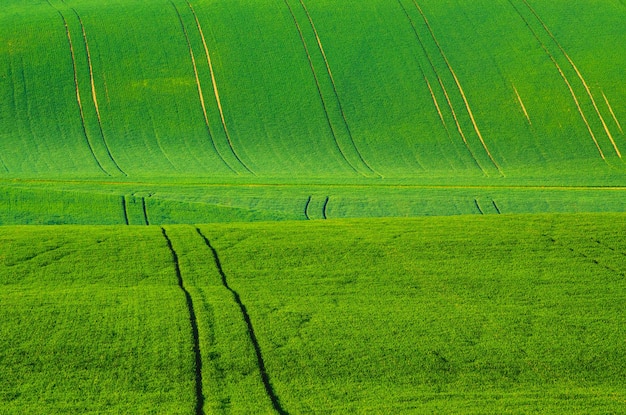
(508, 314)
(311, 88)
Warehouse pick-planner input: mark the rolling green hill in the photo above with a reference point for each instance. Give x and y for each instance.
(311, 88)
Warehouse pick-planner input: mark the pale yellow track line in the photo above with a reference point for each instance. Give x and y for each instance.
(432, 94)
(521, 103)
(608, 104)
(458, 84)
(580, 76)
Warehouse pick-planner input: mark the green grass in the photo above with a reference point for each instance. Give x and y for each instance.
(493, 314)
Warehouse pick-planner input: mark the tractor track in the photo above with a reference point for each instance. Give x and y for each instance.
(608, 104)
(271, 394)
(145, 211)
(521, 103)
(306, 208)
(199, 87)
(193, 321)
(125, 210)
(325, 207)
(495, 206)
(478, 207)
(460, 88)
(215, 90)
(334, 85)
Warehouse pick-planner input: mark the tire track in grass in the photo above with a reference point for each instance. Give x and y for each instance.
(94, 95)
(215, 90)
(495, 206)
(193, 321)
(246, 317)
(608, 104)
(443, 88)
(478, 207)
(521, 103)
(580, 76)
(78, 97)
(319, 89)
(460, 88)
(306, 208)
(145, 211)
(125, 209)
(325, 207)
(563, 76)
(199, 87)
(336, 94)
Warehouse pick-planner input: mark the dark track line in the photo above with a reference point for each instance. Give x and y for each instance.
(78, 99)
(253, 339)
(478, 207)
(319, 89)
(496, 207)
(199, 410)
(306, 208)
(585, 256)
(145, 210)
(125, 209)
(332, 81)
(199, 87)
(325, 207)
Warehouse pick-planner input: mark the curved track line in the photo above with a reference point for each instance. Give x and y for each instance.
(215, 90)
(271, 394)
(443, 88)
(564, 77)
(521, 103)
(94, 95)
(332, 81)
(580, 76)
(493, 202)
(324, 215)
(319, 89)
(478, 207)
(458, 84)
(78, 98)
(145, 210)
(608, 104)
(193, 321)
(125, 209)
(306, 208)
(199, 87)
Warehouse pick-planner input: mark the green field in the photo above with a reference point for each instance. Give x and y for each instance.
(312, 206)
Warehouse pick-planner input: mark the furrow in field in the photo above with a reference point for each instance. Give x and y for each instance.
(336, 94)
(478, 207)
(145, 211)
(193, 321)
(608, 104)
(199, 88)
(125, 210)
(443, 88)
(521, 103)
(460, 88)
(94, 95)
(77, 88)
(215, 89)
(251, 333)
(580, 76)
(306, 208)
(564, 77)
(319, 88)
(495, 206)
(325, 207)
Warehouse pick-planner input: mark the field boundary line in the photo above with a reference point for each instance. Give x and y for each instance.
(460, 87)
(564, 77)
(78, 98)
(443, 88)
(94, 96)
(199, 87)
(125, 209)
(319, 88)
(306, 208)
(580, 76)
(608, 104)
(521, 103)
(334, 85)
(478, 207)
(215, 90)
(193, 321)
(269, 390)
